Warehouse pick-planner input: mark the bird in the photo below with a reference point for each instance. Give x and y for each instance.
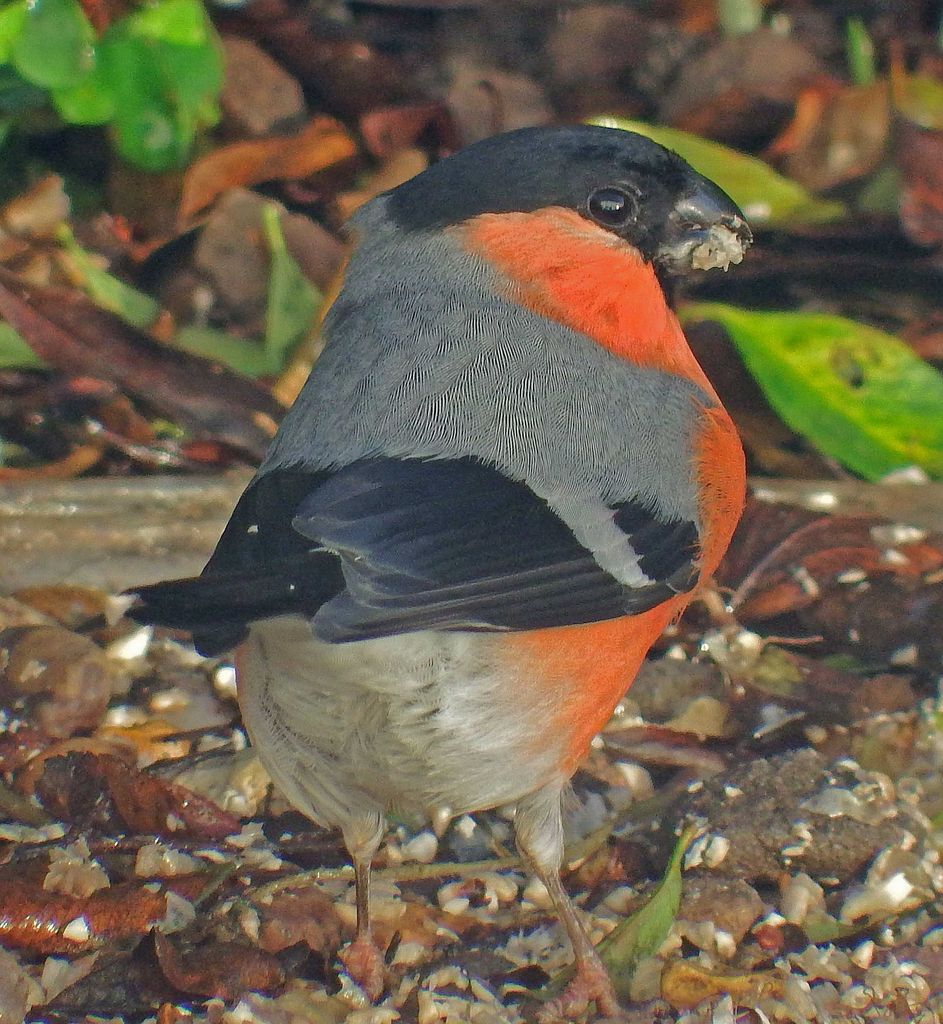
(504, 477)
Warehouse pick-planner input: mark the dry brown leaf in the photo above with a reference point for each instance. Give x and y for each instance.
(322, 143)
(836, 135)
(67, 604)
(104, 785)
(685, 985)
(152, 740)
(223, 970)
(50, 922)
(70, 332)
(300, 915)
(19, 745)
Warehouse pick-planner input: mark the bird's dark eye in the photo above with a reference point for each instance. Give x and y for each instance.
(612, 207)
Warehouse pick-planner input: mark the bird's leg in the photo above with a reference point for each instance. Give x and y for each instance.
(362, 958)
(539, 832)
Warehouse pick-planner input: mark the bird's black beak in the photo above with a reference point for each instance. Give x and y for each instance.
(705, 229)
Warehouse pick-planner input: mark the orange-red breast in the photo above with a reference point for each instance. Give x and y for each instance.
(506, 474)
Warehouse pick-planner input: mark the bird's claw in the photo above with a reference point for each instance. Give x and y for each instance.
(591, 984)
(363, 961)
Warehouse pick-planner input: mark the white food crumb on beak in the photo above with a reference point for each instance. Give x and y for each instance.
(721, 248)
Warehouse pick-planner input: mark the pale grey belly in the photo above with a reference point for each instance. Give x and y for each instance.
(410, 723)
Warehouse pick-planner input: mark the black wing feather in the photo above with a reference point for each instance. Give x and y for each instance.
(389, 546)
(454, 544)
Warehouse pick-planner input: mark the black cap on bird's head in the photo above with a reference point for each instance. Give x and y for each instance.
(622, 181)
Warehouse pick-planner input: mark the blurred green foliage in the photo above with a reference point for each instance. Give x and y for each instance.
(765, 196)
(858, 394)
(152, 77)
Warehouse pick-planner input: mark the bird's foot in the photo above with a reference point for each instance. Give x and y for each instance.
(363, 960)
(590, 984)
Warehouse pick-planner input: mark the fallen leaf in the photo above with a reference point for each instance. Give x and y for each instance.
(846, 140)
(858, 394)
(299, 915)
(686, 985)
(336, 63)
(322, 143)
(69, 332)
(81, 459)
(96, 787)
(918, 97)
(110, 292)
(387, 131)
(870, 589)
(919, 153)
(221, 970)
(149, 804)
(640, 935)
(49, 923)
(20, 743)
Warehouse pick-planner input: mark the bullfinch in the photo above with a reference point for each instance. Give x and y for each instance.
(504, 477)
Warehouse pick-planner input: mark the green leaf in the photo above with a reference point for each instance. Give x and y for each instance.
(292, 304)
(105, 289)
(173, 21)
(89, 102)
(247, 357)
(640, 935)
(766, 197)
(15, 354)
(859, 52)
(858, 394)
(55, 47)
(12, 19)
(920, 99)
(739, 17)
(293, 301)
(145, 123)
(164, 90)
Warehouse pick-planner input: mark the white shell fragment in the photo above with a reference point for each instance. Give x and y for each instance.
(721, 248)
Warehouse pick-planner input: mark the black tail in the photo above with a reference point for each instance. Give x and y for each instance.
(218, 607)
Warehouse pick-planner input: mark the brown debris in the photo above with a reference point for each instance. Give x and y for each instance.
(299, 915)
(686, 985)
(768, 69)
(52, 923)
(71, 333)
(103, 788)
(837, 135)
(223, 970)
(763, 808)
(321, 144)
(920, 158)
(728, 903)
(66, 677)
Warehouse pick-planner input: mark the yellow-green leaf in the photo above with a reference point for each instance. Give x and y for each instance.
(293, 300)
(858, 394)
(640, 935)
(15, 354)
(243, 355)
(920, 99)
(105, 289)
(765, 196)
